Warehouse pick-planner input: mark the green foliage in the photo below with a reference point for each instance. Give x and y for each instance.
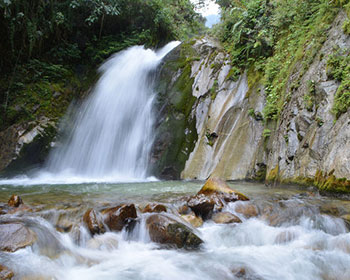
(266, 133)
(60, 41)
(338, 67)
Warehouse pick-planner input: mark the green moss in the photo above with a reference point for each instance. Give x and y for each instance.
(338, 67)
(273, 175)
(329, 183)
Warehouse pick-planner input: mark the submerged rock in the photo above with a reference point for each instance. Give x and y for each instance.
(192, 219)
(225, 218)
(154, 208)
(165, 230)
(247, 210)
(14, 236)
(94, 222)
(118, 217)
(5, 273)
(213, 196)
(15, 201)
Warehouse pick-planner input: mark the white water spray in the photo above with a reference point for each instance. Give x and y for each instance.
(112, 133)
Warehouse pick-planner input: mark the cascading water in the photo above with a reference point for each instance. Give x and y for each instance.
(112, 132)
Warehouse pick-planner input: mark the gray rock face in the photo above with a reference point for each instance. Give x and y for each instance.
(315, 141)
(25, 145)
(14, 236)
(227, 115)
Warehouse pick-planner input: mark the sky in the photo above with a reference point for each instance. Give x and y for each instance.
(210, 9)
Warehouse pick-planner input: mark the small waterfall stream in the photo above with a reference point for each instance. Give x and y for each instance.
(112, 132)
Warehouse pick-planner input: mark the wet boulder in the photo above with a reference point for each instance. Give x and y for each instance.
(14, 236)
(93, 221)
(220, 188)
(5, 273)
(15, 201)
(170, 232)
(203, 205)
(118, 217)
(154, 208)
(212, 197)
(247, 210)
(192, 219)
(225, 218)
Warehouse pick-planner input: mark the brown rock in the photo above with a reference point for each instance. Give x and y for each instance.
(225, 218)
(184, 210)
(154, 208)
(5, 273)
(165, 230)
(213, 195)
(248, 210)
(218, 186)
(94, 222)
(203, 205)
(15, 201)
(14, 236)
(118, 217)
(192, 219)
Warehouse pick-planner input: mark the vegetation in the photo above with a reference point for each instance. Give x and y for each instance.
(278, 39)
(52, 47)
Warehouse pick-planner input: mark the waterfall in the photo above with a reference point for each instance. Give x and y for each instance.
(112, 133)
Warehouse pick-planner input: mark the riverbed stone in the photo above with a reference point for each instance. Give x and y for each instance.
(14, 236)
(192, 219)
(247, 210)
(93, 220)
(171, 233)
(220, 188)
(15, 201)
(118, 217)
(212, 197)
(5, 273)
(154, 208)
(225, 218)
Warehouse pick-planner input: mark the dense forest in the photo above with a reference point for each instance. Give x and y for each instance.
(53, 48)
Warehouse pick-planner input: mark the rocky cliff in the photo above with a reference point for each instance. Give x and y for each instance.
(307, 144)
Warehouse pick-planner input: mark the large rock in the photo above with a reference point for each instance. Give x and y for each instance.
(212, 197)
(118, 217)
(14, 236)
(247, 210)
(5, 273)
(154, 208)
(219, 187)
(94, 222)
(15, 201)
(165, 230)
(25, 145)
(225, 218)
(192, 219)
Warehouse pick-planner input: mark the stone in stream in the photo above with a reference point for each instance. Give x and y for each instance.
(15, 201)
(192, 219)
(14, 236)
(225, 218)
(213, 195)
(5, 273)
(94, 222)
(154, 208)
(167, 231)
(118, 217)
(247, 210)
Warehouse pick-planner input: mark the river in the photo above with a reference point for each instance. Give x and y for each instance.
(297, 234)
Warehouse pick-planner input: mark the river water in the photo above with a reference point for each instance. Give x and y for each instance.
(296, 235)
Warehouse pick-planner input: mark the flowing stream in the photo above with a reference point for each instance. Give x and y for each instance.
(296, 235)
